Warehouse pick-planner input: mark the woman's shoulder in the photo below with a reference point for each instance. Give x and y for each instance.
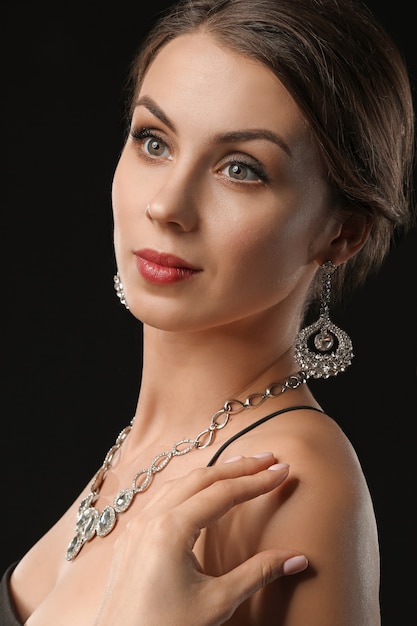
(303, 436)
(322, 461)
(326, 487)
(323, 510)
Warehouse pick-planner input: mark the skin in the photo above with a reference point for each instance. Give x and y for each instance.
(257, 235)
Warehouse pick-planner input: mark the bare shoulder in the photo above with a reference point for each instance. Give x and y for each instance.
(324, 510)
(325, 475)
(308, 440)
(326, 478)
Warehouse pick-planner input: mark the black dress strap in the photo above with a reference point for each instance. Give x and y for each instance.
(258, 423)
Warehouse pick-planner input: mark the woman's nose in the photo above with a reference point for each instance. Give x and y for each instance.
(176, 201)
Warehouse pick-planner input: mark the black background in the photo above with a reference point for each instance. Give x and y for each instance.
(72, 353)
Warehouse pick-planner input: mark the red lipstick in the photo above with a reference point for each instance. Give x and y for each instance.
(163, 268)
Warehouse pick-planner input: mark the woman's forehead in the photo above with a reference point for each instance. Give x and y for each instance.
(195, 78)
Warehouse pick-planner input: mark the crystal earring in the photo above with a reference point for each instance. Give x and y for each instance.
(119, 290)
(323, 349)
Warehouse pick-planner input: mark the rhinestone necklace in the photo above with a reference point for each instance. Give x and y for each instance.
(91, 522)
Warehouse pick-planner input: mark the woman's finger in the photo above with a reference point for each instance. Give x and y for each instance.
(215, 500)
(239, 584)
(178, 490)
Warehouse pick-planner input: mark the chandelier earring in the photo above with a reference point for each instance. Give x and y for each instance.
(322, 349)
(119, 290)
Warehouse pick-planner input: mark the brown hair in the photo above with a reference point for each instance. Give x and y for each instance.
(349, 79)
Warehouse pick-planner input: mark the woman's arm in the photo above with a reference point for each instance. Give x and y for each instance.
(324, 509)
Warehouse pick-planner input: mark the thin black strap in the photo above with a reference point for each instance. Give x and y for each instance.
(257, 423)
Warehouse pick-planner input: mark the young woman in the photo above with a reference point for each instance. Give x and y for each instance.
(267, 167)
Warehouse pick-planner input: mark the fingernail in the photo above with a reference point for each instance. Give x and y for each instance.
(262, 455)
(278, 466)
(234, 458)
(294, 565)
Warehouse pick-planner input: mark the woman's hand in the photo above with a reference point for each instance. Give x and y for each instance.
(155, 577)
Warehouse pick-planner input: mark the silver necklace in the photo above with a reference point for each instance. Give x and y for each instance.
(91, 522)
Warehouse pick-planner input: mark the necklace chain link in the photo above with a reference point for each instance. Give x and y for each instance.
(90, 522)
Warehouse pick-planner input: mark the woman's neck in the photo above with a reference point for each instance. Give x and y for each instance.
(187, 377)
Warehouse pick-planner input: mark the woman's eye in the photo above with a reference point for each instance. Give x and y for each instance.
(240, 171)
(151, 144)
(156, 147)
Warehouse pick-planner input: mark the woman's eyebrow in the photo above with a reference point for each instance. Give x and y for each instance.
(251, 135)
(151, 105)
(227, 137)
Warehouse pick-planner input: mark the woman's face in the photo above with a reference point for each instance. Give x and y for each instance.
(239, 209)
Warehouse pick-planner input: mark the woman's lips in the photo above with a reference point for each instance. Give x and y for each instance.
(163, 268)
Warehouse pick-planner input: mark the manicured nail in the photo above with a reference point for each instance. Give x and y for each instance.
(294, 565)
(234, 458)
(262, 455)
(278, 466)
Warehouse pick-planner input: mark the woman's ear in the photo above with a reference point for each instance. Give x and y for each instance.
(353, 232)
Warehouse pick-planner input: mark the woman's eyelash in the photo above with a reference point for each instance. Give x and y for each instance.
(138, 134)
(255, 167)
